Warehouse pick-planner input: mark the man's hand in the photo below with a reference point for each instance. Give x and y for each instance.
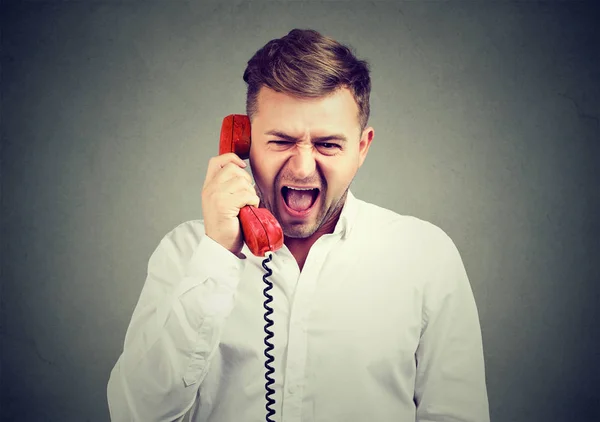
(227, 188)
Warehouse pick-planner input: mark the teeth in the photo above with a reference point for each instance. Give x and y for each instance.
(289, 187)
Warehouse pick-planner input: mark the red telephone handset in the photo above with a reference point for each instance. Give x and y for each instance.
(262, 232)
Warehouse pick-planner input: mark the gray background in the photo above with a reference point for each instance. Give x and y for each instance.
(486, 119)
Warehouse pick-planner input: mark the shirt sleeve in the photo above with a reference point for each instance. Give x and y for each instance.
(450, 381)
(175, 328)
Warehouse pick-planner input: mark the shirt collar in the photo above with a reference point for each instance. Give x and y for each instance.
(347, 216)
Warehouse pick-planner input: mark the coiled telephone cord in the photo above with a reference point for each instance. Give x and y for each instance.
(268, 335)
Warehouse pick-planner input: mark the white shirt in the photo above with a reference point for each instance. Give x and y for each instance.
(380, 325)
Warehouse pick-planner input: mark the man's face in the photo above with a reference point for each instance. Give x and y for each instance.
(304, 155)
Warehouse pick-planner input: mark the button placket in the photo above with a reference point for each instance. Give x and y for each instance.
(297, 344)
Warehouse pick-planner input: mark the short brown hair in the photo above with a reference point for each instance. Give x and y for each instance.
(305, 63)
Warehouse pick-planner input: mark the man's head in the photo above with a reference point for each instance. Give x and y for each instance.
(308, 101)
(306, 64)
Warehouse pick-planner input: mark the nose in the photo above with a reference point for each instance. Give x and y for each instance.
(302, 163)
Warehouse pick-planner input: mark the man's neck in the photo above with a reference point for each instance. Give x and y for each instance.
(300, 247)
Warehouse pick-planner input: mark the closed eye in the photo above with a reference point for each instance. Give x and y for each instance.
(326, 148)
(280, 145)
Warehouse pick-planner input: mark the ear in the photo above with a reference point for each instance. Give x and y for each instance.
(365, 142)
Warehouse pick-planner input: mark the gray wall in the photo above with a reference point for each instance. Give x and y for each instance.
(487, 124)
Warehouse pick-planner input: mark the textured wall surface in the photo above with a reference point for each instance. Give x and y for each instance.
(486, 118)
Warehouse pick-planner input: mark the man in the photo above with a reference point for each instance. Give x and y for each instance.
(374, 317)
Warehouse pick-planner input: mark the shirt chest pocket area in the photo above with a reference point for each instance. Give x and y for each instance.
(375, 321)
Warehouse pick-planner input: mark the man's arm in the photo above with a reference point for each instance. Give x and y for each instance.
(450, 384)
(175, 328)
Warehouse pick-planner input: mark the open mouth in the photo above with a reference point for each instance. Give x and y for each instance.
(299, 200)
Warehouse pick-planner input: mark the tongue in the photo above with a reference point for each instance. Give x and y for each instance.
(299, 200)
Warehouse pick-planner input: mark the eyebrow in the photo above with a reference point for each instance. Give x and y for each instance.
(335, 137)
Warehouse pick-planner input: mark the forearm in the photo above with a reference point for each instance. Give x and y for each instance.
(173, 334)
(163, 363)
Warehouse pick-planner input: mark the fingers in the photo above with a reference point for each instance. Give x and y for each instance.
(245, 197)
(217, 163)
(231, 171)
(227, 188)
(230, 185)
(236, 184)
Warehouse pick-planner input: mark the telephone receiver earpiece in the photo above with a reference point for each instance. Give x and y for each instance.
(262, 232)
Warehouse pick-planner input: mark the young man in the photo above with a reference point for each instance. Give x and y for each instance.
(374, 317)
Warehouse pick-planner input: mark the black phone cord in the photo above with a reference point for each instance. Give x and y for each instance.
(268, 335)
